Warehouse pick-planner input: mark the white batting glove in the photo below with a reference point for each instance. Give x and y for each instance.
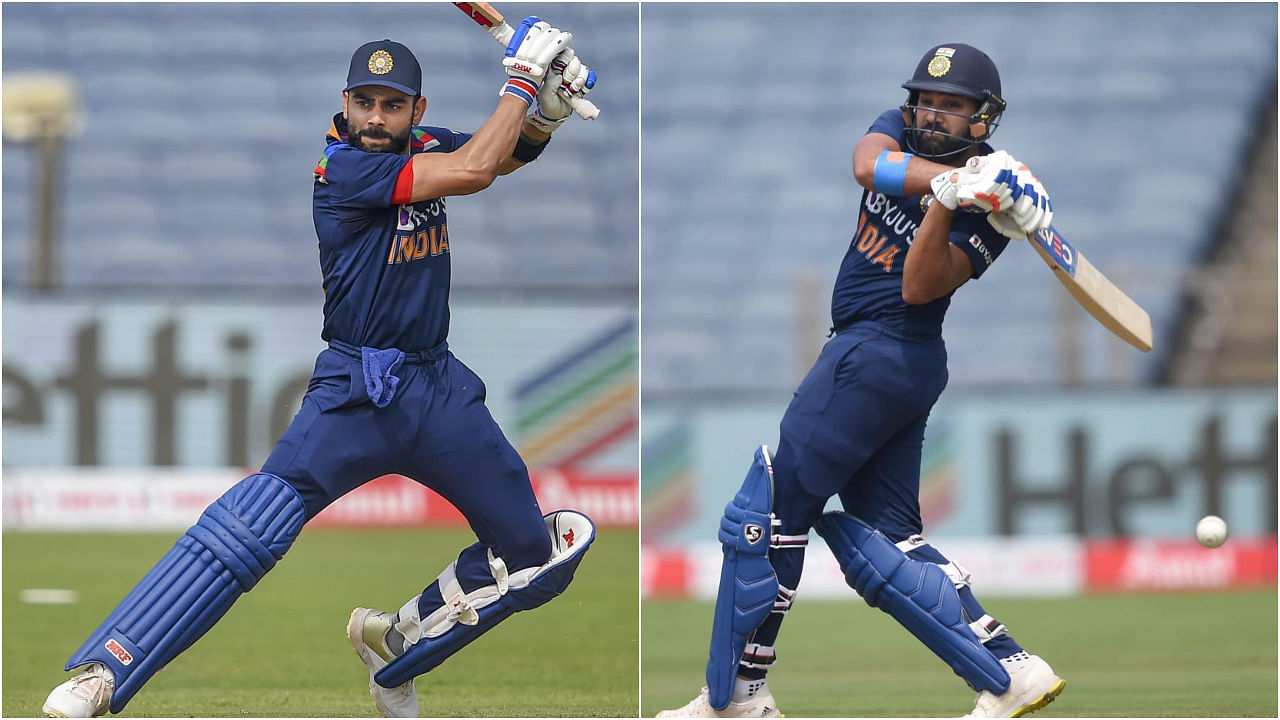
(971, 187)
(944, 186)
(1032, 209)
(1006, 226)
(528, 57)
(990, 185)
(568, 78)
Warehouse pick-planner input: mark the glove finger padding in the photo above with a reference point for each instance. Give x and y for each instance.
(532, 48)
(1006, 226)
(985, 187)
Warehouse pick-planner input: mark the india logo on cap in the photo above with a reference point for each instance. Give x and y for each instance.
(380, 62)
(941, 63)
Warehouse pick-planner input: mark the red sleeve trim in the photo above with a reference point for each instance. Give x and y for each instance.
(403, 192)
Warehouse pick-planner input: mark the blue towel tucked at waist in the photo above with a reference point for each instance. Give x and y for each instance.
(379, 378)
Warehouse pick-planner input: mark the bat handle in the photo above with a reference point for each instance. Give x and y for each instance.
(585, 109)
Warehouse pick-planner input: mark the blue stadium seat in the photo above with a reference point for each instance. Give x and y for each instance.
(214, 114)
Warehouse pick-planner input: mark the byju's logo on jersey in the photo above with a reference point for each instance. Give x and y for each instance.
(420, 232)
(410, 217)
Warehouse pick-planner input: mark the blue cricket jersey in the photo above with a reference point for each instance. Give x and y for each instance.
(869, 285)
(385, 260)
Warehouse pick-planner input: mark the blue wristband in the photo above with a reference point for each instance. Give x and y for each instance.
(891, 172)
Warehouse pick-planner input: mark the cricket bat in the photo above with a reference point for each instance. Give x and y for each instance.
(486, 16)
(1098, 295)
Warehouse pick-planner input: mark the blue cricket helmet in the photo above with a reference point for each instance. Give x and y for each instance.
(956, 69)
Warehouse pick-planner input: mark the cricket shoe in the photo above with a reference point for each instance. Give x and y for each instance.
(1032, 685)
(86, 695)
(760, 705)
(367, 631)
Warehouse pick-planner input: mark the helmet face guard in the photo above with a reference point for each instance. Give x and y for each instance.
(982, 124)
(953, 69)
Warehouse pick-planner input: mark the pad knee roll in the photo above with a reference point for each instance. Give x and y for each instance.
(237, 540)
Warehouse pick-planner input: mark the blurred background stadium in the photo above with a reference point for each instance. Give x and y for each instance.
(161, 289)
(1061, 465)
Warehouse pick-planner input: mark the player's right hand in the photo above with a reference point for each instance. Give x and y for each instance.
(1032, 209)
(532, 48)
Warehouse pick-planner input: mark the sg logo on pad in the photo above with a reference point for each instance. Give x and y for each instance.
(753, 533)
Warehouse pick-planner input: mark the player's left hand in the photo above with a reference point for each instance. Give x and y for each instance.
(567, 78)
(989, 185)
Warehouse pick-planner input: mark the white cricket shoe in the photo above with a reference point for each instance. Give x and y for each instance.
(1032, 685)
(367, 631)
(86, 695)
(760, 705)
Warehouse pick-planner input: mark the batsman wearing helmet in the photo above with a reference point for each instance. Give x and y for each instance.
(387, 396)
(938, 208)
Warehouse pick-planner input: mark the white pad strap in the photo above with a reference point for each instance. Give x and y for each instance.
(959, 576)
(987, 627)
(778, 540)
(499, 570)
(786, 597)
(758, 656)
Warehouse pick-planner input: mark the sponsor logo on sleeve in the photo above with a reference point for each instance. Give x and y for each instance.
(978, 245)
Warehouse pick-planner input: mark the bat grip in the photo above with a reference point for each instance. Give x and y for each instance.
(585, 109)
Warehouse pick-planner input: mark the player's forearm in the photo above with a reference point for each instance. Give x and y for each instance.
(929, 270)
(530, 133)
(488, 152)
(916, 177)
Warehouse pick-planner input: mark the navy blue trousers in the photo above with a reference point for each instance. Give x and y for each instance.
(854, 428)
(435, 430)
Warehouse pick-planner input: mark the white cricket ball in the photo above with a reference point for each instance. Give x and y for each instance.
(1211, 531)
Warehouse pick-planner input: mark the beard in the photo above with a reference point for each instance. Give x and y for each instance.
(399, 142)
(934, 141)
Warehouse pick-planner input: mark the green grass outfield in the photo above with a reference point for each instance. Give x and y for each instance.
(282, 649)
(1210, 654)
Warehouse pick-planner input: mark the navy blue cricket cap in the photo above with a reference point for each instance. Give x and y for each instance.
(386, 63)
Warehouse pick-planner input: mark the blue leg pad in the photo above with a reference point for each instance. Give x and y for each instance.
(571, 535)
(748, 584)
(919, 595)
(233, 544)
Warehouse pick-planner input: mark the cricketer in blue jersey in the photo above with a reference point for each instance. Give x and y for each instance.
(387, 396)
(939, 206)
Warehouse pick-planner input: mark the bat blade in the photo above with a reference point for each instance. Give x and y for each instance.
(1096, 294)
(488, 17)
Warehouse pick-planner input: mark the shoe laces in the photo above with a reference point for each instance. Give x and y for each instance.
(92, 684)
(985, 705)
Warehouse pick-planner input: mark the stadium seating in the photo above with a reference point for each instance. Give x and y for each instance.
(1134, 116)
(204, 121)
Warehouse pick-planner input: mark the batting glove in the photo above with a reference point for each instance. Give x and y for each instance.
(990, 185)
(970, 187)
(1006, 226)
(1032, 209)
(567, 79)
(529, 54)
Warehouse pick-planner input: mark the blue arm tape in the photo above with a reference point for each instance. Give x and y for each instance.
(891, 174)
